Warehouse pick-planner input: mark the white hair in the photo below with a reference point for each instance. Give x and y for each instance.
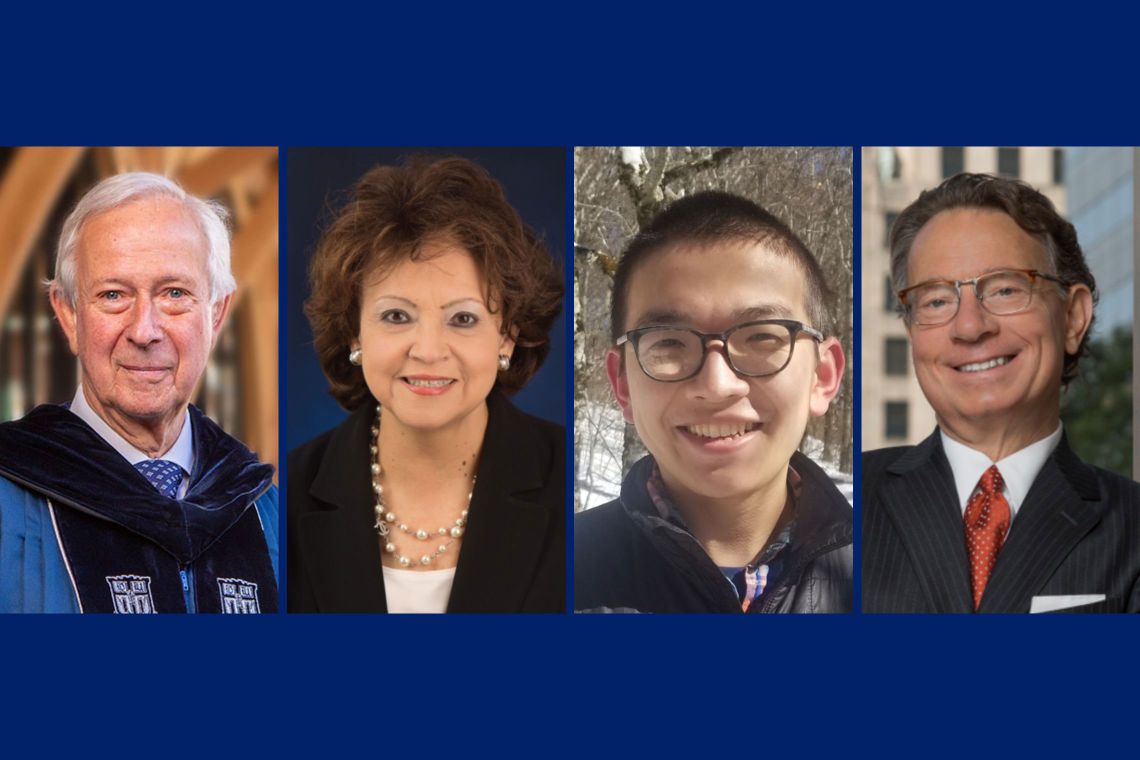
(122, 189)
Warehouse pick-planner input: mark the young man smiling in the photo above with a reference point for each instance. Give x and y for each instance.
(720, 356)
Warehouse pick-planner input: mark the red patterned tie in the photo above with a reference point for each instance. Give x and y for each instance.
(987, 522)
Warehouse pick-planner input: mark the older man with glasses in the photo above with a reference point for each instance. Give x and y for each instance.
(719, 358)
(994, 512)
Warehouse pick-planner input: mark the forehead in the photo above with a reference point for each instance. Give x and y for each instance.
(710, 285)
(148, 236)
(963, 243)
(440, 266)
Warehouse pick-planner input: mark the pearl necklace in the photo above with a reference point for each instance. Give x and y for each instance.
(386, 518)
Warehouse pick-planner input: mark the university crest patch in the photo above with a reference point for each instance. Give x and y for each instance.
(131, 594)
(238, 597)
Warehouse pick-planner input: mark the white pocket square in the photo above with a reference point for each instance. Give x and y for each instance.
(1054, 603)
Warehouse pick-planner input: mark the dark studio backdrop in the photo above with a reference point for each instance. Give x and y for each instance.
(319, 181)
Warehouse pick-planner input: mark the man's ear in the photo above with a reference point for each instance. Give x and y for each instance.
(220, 308)
(1078, 317)
(828, 375)
(65, 313)
(619, 382)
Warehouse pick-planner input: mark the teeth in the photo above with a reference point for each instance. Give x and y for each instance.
(427, 383)
(984, 365)
(721, 431)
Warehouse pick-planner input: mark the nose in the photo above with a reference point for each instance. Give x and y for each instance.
(429, 344)
(717, 380)
(972, 322)
(145, 327)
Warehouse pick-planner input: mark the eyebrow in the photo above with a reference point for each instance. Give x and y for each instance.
(120, 281)
(740, 316)
(983, 273)
(448, 305)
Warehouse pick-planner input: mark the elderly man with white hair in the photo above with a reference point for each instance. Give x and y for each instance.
(129, 499)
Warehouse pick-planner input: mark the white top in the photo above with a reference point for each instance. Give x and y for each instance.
(417, 590)
(181, 453)
(1018, 470)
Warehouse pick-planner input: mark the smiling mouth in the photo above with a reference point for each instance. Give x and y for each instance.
(731, 430)
(417, 382)
(983, 366)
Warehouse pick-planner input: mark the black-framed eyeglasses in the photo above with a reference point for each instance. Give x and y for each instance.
(756, 349)
(1005, 292)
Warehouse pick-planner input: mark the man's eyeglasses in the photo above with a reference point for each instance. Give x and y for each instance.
(1002, 293)
(756, 349)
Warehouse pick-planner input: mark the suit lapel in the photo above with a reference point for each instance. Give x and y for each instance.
(342, 549)
(505, 529)
(1062, 506)
(922, 504)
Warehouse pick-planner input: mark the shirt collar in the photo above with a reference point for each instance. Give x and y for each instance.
(181, 453)
(667, 510)
(1018, 470)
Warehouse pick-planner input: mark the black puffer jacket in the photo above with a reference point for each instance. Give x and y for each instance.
(629, 559)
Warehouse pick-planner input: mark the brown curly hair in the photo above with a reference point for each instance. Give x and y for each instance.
(392, 213)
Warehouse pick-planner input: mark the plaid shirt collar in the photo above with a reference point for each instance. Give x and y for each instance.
(751, 580)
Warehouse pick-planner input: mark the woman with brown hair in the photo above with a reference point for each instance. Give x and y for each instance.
(431, 302)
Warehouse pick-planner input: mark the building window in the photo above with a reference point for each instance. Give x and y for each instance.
(896, 419)
(1009, 162)
(888, 163)
(895, 352)
(889, 220)
(953, 161)
(1058, 166)
(890, 302)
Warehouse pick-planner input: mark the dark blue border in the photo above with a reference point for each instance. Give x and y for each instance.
(297, 685)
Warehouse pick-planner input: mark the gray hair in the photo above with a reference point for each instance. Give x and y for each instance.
(122, 189)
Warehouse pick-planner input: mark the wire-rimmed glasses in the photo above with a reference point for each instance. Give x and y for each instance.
(1004, 292)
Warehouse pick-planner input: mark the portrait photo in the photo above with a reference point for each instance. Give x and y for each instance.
(426, 383)
(138, 379)
(998, 430)
(712, 399)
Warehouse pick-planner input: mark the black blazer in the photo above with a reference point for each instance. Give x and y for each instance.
(513, 556)
(1077, 533)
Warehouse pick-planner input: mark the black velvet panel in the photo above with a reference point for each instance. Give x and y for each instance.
(232, 557)
(97, 551)
(100, 554)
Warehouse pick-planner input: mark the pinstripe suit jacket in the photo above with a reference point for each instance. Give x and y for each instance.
(1077, 533)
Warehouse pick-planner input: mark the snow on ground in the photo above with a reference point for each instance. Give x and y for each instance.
(598, 467)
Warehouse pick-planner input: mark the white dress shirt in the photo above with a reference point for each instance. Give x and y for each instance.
(181, 453)
(1018, 470)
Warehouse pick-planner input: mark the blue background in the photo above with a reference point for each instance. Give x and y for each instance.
(319, 180)
(288, 685)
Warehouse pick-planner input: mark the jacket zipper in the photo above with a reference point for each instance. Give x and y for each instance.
(766, 604)
(187, 576)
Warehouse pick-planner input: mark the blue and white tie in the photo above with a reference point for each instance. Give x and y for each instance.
(164, 475)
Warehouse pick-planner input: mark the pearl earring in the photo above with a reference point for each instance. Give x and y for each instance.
(355, 356)
(504, 362)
